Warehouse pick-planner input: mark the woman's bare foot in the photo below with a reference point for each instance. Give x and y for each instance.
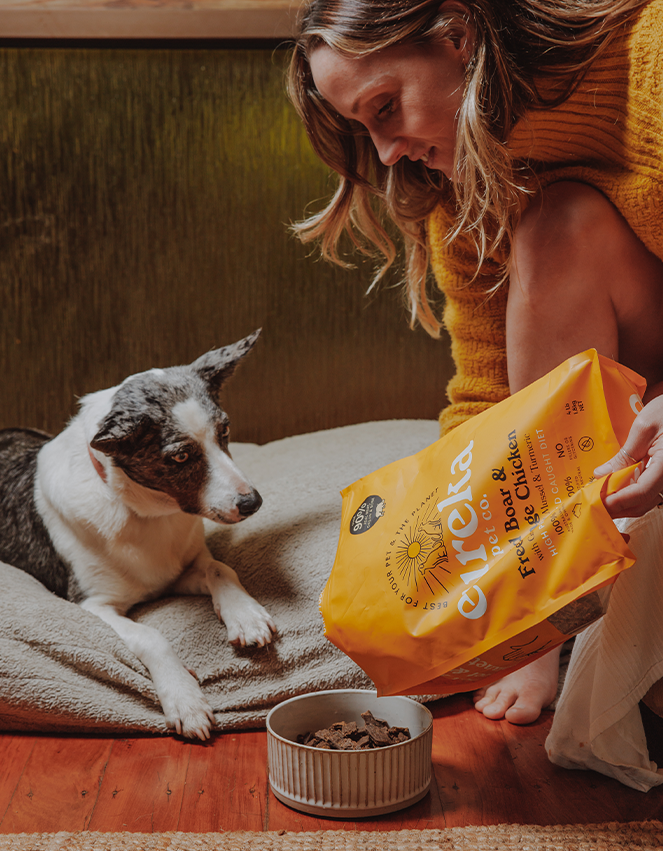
(520, 696)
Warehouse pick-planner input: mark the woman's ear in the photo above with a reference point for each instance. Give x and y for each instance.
(461, 33)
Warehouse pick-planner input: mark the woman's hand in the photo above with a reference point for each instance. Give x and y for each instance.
(645, 444)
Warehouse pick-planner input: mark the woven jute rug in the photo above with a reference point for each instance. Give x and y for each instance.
(592, 837)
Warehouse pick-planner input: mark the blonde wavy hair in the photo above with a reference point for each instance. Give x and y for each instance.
(526, 54)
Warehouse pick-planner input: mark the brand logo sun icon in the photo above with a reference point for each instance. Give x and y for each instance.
(422, 553)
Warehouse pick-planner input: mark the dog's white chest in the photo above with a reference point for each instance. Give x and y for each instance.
(117, 555)
(151, 553)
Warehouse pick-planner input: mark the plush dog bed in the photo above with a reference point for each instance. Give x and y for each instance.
(63, 670)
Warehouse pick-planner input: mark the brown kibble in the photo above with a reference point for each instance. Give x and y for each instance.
(578, 614)
(346, 735)
(377, 729)
(344, 727)
(394, 731)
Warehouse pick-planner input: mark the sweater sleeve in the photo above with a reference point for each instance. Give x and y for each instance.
(475, 321)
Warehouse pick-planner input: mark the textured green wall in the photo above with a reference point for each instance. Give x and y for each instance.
(144, 198)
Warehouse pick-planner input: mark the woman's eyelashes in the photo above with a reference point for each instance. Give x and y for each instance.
(387, 109)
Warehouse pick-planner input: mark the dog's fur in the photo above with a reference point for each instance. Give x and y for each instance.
(109, 513)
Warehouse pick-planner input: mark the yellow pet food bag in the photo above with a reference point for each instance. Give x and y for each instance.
(486, 549)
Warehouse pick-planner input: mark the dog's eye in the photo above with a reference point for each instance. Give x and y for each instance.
(180, 457)
(224, 432)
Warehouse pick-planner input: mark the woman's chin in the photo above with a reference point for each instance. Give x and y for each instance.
(447, 171)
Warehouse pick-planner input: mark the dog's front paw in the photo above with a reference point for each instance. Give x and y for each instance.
(248, 623)
(186, 710)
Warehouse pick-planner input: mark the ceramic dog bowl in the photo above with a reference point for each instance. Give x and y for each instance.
(342, 783)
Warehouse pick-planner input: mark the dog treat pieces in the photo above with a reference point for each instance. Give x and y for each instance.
(349, 736)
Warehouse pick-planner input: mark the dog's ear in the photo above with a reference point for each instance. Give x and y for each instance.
(217, 366)
(119, 433)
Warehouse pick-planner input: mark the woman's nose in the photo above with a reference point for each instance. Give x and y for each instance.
(390, 149)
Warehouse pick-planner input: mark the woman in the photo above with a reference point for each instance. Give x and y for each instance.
(516, 144)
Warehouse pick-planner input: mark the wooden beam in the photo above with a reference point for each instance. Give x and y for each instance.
(147, 19)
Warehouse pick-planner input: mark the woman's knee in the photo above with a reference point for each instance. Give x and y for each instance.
(564, 231)
(558, 302)
(565, 214)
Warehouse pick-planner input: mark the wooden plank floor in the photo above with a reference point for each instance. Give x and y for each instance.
(485, 772)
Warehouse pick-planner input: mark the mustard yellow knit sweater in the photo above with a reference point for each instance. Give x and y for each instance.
(608, 134)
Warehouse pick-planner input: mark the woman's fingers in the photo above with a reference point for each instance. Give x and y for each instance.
(620, 461)
(645, 445)
(644, 492)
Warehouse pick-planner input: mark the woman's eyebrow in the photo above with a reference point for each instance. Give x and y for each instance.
(354, 108)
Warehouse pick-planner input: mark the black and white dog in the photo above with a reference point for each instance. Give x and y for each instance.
(109, 513)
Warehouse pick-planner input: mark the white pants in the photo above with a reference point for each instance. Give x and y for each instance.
(615, 661)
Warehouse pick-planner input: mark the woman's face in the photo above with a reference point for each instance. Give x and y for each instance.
(406, 96)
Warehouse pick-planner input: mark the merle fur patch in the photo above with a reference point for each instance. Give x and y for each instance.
(24, 540)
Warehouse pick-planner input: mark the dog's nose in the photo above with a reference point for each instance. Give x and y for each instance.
(249, 503)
